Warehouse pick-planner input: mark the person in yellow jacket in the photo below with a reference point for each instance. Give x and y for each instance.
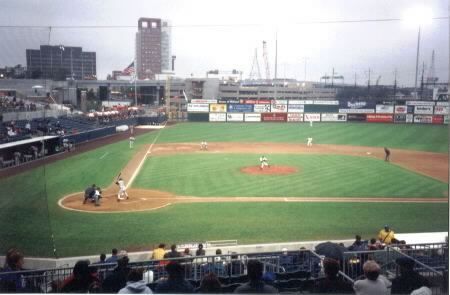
(386, 235)
(158, 253)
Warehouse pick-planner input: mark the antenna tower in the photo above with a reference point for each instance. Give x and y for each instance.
(255, 72)
(266, 60)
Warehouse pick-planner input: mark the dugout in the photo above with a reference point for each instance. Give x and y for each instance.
(46, 145)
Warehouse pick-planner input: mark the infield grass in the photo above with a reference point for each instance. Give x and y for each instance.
(322, 175)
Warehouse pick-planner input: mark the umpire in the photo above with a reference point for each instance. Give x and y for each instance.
(89, 193)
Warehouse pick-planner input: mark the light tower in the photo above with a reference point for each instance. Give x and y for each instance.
(266, 60)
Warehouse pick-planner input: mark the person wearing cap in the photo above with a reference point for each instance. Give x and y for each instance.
(255, 284)
(386, 235)
(118, 278)
(408, 280)
(173, 252)
(374, 282)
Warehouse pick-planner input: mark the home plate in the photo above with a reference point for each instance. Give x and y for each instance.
(369, 153)
(143, 199)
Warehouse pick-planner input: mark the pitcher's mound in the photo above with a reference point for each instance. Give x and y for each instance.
(272, 170)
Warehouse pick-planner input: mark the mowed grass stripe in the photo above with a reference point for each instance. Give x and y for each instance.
(320, 176)
(432, 138)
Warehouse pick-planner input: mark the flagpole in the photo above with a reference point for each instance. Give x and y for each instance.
(135, 84)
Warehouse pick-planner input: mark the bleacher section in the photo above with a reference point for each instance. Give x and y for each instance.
(293, 271)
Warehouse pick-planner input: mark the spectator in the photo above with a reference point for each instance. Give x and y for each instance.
(332, 283)
(409, 280)
(135, 284)
(374, 245)
(218, 266)
(358, 244)
(374, 283)
(80, 280)
(210, 284)
(175, 282)
(235, 267)
(13, 283)
(386, 235)
(187, 252)
(102, 259)
(422, 291)
(113, 258)
(159, 253)
(118, 278)
(256, 283)
(200, 251)
(173, 252)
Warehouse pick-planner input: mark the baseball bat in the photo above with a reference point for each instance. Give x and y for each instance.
(118, 176)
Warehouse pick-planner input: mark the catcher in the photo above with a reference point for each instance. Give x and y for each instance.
(122, 195)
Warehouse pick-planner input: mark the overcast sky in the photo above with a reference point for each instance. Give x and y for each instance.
(223, 35)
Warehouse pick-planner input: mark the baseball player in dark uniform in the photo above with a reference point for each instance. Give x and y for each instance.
(388, 154)
(92, 193)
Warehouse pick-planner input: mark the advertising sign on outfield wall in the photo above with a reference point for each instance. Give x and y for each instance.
(294, 117)
(198, 107)
(443, 103)
(261, 108)
(231, 117)
(203, 100)
(356, 104)
(400, 118)
(410, 109)
(296, 101)
(217, 117)
(333, 117)
(312, 117)
(382, 118)
(445, 119)
(279, 101)
(438, 119)
(218, 108)
(384, 109)
(252, 117)
(401, 109)
(257, 101)
(278, 108)
(327, 102)
(426, 110)
(244, 108)
(409, 118)
(274, 117)
(423, 119)
(356, 111)
(420, 103)
(441, 110)
(296, 108)
(228, 101)
(356, 117)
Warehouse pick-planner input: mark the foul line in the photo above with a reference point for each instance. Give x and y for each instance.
(104, 155)
(143, 159)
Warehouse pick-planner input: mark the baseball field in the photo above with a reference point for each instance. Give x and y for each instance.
(339, 187)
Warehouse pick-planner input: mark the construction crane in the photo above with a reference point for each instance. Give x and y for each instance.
(255, 67)
(266, 60)
(378, 80)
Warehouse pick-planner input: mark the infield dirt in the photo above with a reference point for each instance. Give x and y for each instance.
(431, 164)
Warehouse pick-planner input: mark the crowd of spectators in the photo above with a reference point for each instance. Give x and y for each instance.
(125, 279)
(12, 104)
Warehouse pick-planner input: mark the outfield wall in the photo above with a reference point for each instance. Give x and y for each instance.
(417, 112)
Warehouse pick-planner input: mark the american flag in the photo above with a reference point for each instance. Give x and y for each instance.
(128, 70)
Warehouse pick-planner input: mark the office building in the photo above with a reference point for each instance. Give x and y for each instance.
(61, 62)
(153, 47)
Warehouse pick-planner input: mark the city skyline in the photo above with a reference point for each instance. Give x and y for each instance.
(207, 36)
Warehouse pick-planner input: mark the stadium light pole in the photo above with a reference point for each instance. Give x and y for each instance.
(417, 17)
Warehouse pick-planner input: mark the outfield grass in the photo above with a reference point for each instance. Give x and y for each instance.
(322, 175)
(31, 219)
(432, 138)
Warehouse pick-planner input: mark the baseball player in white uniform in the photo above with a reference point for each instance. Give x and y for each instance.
(309, 143)
(264, 162)
(203, 145)
(132, 139)
(310, 122)
(122, 190)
